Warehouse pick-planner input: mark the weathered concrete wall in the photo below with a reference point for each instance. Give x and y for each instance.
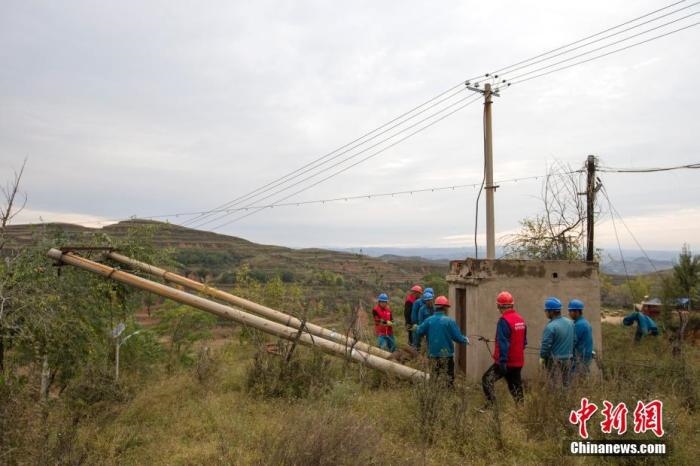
(474, 285)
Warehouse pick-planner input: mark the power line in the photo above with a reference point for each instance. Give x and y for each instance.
(102, 220)
(509, 68)
(619, 247)
(514, 79)
(605, 54)
(355, 141)
(691, 166)
(533, 61)
(357, 163)
(350, 157)
(614, 211)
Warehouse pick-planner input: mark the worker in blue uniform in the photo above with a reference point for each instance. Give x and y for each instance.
(557, 346)
(583, 339)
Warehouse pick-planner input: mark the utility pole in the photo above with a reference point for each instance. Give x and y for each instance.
(591, 190)
(488, 169)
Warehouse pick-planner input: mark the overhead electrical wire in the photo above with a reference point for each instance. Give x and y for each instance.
(509, 68)
(356, 163)
(541, 60)
(614, 211)
(648, 170)
(514, 79)
(349, 157)
(605, 54)
(356, 142)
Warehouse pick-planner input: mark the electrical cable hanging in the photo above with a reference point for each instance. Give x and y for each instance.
(690, 166)
(356, 163)
(509, 67)
(614, 211)
(605, 54)
(356, 142)
(515, 78)
(619, 248)
(364, 150)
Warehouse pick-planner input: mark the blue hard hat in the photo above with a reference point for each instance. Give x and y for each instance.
(429, 290)
(427, 295)
(552, 304)
(383, 298)
(576, 305)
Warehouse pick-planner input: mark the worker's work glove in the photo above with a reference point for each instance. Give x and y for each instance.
(542, 361)
(414, 327)
(594, 355)
(390, 323)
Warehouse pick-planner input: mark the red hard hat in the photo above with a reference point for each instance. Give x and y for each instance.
(442, 301)
(504, 298)
(417, 288)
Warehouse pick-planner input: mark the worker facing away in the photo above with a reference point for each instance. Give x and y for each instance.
(645, 325)
(414, 293)
(441, 332)
(384, 324)
(557, 347)
(509, 355)
(583, 339)
(415, 312)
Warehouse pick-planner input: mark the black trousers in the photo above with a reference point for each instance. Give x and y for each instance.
(443, 367)
(512, 376)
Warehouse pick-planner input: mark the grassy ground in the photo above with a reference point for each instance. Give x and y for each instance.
(236, 405)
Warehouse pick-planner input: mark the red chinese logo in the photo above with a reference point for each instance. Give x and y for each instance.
(649, 417)
(582, 416)
(615, 418)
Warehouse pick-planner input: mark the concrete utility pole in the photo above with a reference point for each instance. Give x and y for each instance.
(488, 170)
(590, 205)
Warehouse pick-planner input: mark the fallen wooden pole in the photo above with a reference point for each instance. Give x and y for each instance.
(251, 306)
(237, 315)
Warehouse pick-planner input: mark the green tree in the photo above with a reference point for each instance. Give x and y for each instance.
(686, 273)
(183, 326)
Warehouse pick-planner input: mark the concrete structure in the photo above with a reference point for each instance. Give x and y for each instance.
(474, 284)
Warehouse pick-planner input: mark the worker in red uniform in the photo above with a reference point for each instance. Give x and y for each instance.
(415, 292)
(509, 355)
(384, 323)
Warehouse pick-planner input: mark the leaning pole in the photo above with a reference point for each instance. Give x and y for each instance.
(263, 311)
(244, 318)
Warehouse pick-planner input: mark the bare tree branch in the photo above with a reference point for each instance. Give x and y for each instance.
(9, 210)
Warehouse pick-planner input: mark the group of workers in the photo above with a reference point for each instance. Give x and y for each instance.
(566, 346)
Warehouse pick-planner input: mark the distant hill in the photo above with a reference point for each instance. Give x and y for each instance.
(635, 266)
(332, 276)
(609, 264)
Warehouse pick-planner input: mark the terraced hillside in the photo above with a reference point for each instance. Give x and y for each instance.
(334, 277)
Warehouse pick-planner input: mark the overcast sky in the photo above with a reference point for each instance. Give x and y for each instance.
(146, 108)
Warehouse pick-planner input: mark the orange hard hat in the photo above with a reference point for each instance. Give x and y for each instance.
(442, 301)
(417, 288)
(504, 298)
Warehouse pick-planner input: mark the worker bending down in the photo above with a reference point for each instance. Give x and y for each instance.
(645, 325)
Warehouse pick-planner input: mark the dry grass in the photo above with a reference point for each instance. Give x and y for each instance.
(348, 418)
